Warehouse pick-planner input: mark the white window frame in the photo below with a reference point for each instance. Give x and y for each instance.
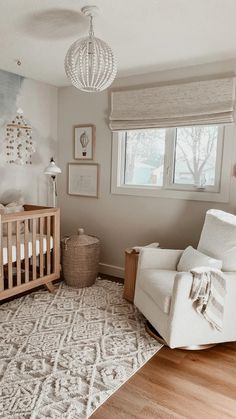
(220, 193)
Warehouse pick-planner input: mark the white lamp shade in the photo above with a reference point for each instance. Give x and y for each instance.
(52, 169)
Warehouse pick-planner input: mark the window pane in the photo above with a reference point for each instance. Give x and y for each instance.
(196, 156)
(144, 157)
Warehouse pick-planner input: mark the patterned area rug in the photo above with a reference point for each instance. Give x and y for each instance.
(63, 354)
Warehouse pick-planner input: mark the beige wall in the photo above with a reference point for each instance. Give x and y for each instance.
(39, 103)
(122, 221)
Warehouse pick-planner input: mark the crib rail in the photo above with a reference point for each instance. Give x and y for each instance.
(29, 249)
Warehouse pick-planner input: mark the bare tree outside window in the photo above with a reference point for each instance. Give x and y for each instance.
(195, 155)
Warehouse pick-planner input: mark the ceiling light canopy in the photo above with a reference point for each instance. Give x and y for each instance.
(90, 64)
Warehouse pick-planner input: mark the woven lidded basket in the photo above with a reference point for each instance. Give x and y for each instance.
(80, 259)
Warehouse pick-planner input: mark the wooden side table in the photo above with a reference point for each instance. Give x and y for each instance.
(131, 264)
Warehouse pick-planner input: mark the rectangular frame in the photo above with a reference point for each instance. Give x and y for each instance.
(118, 187)
(89, 149)
(87, 177)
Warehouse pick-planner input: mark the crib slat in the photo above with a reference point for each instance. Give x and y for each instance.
(26, 248)
(48, 245)
(56, 245)
(34, 248)
(1, 259)
(9, 254)
(18, 255)
(41, 256)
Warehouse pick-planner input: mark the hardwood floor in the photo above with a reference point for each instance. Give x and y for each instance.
(178, 384)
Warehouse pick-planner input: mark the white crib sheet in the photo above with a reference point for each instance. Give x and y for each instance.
(22, 247)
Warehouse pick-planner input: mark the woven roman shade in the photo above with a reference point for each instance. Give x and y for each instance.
(174, 105)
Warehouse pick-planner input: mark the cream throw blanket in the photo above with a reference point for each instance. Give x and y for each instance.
(208, 292)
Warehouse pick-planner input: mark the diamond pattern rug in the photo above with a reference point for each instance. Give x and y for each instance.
(63, 354)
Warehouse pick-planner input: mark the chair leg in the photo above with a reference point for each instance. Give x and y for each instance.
(50, 286)
(198, 347)
(153, 332)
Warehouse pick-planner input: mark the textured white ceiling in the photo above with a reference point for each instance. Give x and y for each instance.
(146, 35)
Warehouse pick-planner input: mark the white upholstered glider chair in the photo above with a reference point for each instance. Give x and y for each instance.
(162, 293)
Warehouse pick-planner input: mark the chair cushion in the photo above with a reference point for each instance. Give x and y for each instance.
(158, 284)
(218, 238)
(192, 258)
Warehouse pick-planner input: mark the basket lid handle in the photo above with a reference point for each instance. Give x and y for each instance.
(80, 231)
(65, 240)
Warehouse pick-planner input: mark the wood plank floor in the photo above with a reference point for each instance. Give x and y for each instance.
(178, 384)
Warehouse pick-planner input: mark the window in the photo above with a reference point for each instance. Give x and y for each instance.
(195, 157)
(191, 155)
(186, 162)
(144, 154)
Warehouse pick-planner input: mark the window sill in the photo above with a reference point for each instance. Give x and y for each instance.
(154, 192)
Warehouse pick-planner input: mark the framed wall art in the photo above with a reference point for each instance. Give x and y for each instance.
(84, 142)
(83, 179)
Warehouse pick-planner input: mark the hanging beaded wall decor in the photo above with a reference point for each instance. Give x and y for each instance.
(19, 145)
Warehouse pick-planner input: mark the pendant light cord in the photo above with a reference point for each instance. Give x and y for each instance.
(91, 32)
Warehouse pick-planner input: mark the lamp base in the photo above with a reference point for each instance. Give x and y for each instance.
(54, 191)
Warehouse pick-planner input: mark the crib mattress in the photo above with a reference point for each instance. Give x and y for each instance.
(22, 247)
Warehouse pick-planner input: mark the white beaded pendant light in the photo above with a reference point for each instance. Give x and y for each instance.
(90, 64)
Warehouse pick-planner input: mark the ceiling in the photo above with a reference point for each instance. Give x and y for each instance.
(146, 35)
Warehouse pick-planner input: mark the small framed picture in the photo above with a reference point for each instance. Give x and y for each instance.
(84, 138)
(83, 179)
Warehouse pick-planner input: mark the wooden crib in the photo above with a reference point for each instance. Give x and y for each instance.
(29, 249)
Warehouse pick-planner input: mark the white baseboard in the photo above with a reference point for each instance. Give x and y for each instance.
(111, 270)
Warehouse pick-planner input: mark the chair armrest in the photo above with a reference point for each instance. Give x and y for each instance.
(159, 258)
(186, 326)
(180, 323)
(182, 289)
